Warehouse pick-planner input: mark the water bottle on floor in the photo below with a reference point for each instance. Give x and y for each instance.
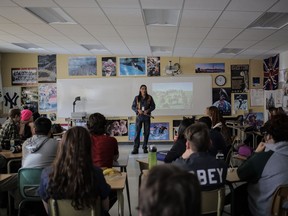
(152, 156)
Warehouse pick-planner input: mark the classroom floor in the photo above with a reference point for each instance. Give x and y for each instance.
(133, 174)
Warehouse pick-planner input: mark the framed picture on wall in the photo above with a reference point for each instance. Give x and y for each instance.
(24, 76)
(132, 67)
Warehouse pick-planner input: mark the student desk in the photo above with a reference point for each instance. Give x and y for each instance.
(122, 164)
(9, 155)
(117, 182)
(4, 176)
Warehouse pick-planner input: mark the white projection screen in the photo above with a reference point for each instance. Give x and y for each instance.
(113, 97)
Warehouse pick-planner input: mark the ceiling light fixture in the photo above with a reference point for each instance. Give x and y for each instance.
(51, 15)
(29, 46)
(270, 20)
(161, 17)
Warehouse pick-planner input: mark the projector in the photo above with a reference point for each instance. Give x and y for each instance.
(78, 115)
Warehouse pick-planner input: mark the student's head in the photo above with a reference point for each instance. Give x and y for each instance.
(272, 111)
(15, 114)
(206, 120)
(26, 115)
(143, 90)
(186, 122)
(42, 126)
(170, 191)
(214, 114)
(277, 127)
(97, 124)
(197, 135)
(72, 170)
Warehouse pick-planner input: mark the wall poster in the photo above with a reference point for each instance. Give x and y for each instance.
(239, 78)
(24, 76)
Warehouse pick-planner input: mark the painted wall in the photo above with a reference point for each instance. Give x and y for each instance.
(187, 66)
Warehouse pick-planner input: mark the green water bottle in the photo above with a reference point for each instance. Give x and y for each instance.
(152, 156)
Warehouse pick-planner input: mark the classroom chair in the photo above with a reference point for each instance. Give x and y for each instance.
(29, 181)
(280, 201)
(213, 201)
(63, 208)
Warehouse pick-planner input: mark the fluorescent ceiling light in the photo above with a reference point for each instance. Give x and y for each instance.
(161, 17)
(51, 15)
(270, 20)
(29, 46)
(94, 47)
(230, 51)
(161, 49)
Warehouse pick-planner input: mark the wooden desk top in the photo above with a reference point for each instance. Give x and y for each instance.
(145, 160)
(4, 176)
(232, 175)
(117, 182)
(121, 162)
(9, 155)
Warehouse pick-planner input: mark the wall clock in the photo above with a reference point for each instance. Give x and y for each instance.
(220, 80)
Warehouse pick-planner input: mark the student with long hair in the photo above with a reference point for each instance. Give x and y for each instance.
(72, 175)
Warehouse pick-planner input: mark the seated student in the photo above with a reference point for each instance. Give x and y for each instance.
(211, 173)
(10, 128)
(72, 175)
(104, 147)
(39, 150)
(218, 143)
(179, 146)
(170, 191)
(266, 169)
(26, 119)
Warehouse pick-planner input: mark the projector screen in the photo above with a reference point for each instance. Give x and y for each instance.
(113, 97)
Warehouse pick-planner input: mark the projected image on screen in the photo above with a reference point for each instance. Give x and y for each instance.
(173, 95)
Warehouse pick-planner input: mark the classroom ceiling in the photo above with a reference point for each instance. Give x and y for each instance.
(119, 27)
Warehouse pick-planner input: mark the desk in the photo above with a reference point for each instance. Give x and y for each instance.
(122, 164)
(4, 176)
(9, 155)
(117, 182)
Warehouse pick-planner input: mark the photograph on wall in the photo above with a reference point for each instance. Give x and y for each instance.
(255, 81)
(210, 68)
(108, 66)
(82, 66)
(239, 78)
(255, 119)
(47, 70)
(271, 71)
(222, 100)
(240, 102)
(29, 98)
(117, 127)
(159, 131)
(47, 97)
(24, 76)
(132, 132)
(53, 116)
(12, 98)
(153, 66)
(132, 66)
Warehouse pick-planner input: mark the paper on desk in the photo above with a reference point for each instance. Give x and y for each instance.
(232, 175)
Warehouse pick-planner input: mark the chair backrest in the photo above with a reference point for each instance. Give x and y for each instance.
(213, 201)
(63, 207)
(29, 181)
(280, 201)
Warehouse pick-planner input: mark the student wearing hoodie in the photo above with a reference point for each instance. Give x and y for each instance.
(266, 169)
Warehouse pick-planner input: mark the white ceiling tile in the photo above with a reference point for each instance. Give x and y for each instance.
(223, 33)
(161, 4)
(206, 4)
(35, 3)
(4, 20)
(77, 3)
(184, 52)
(41, 29)
(124, 16)
(158, 41)
(14, 29)
(252, 52)
(132, 32)
(11, 39)
(267, 44)
(208, 50)
(254, 34)
(6, 3)
(197, 18)
(71, 30)
(187, 43)
(162, 32)
(214, 43)
(127, 4)
(236, 19)
(281, 35)
(88, 16)
(140, 50)
(203, 55)
(106, 31)
(33, 38)
(227, 56)
(250, 5)
(281, 6)
(192, 33)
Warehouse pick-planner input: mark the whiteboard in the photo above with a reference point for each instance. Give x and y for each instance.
(113, 97)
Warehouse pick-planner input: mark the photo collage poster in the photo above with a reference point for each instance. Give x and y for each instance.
(47, 70)
(24, 76)
(117, 127)
(29, 98)
(153, 66)
(47, 97)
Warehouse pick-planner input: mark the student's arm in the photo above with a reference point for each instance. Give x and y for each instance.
(134, 105)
